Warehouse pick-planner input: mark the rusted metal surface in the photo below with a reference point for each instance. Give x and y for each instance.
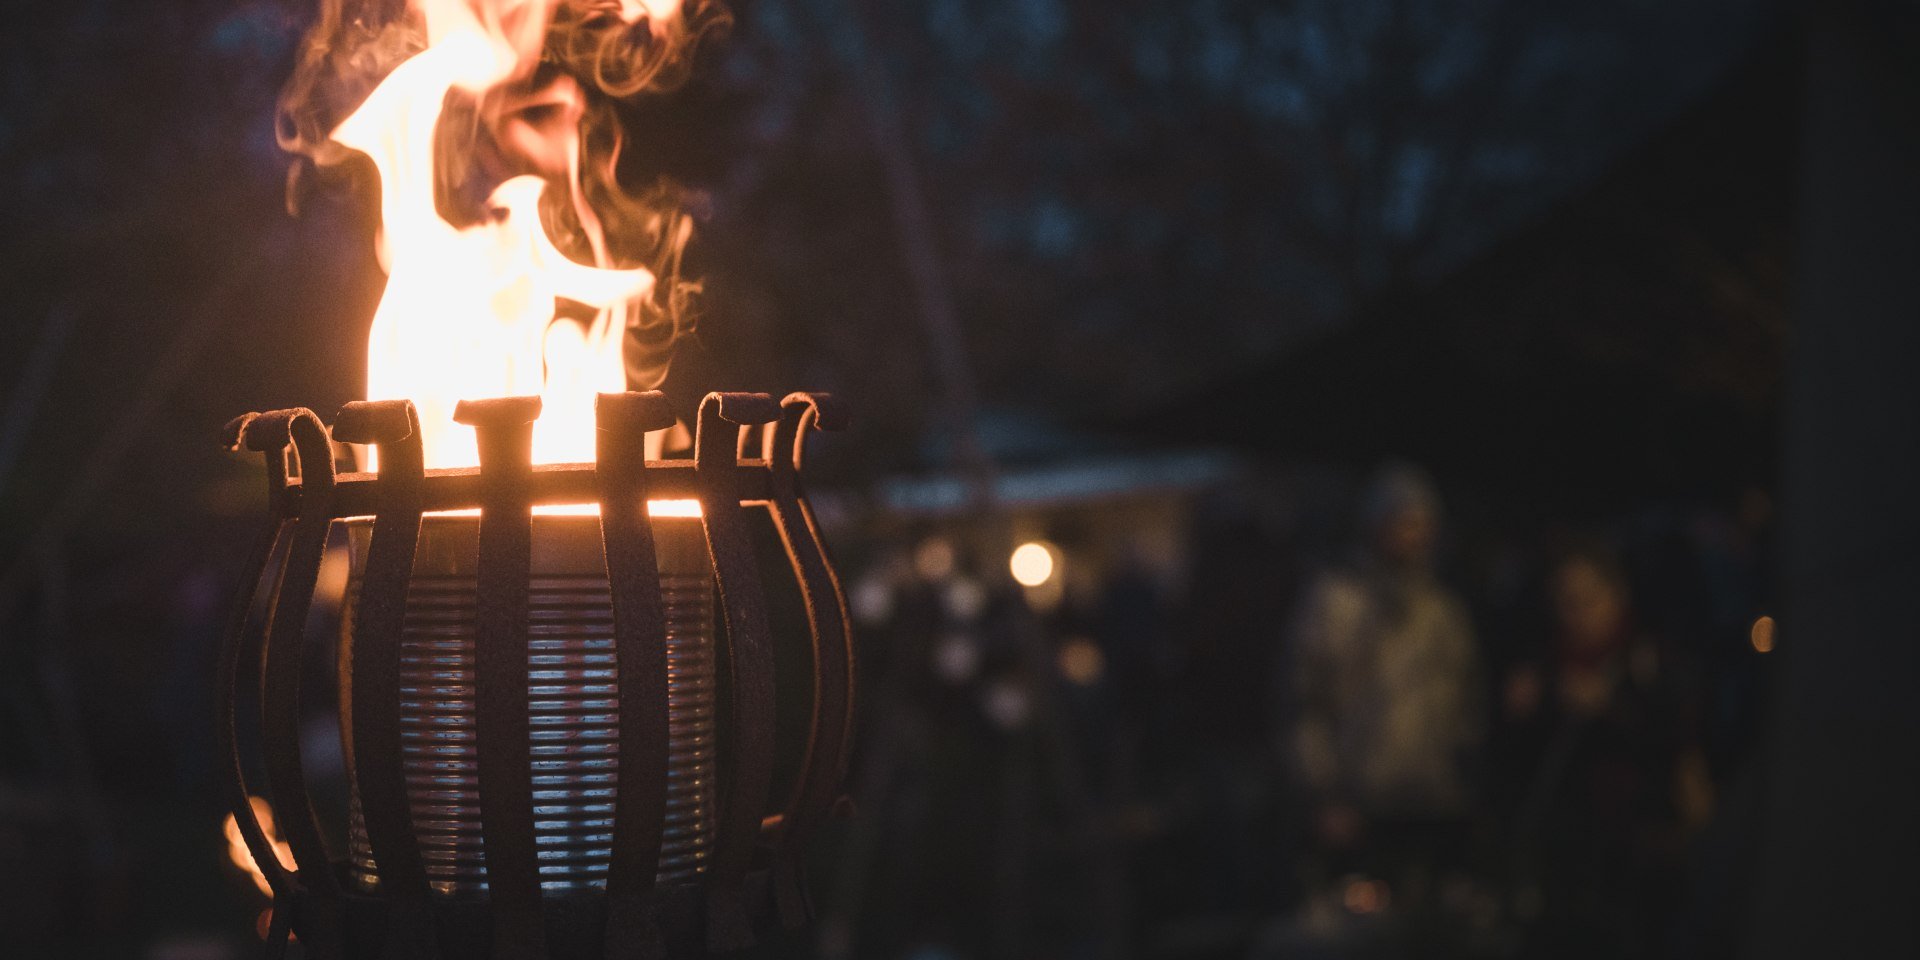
(644, 909)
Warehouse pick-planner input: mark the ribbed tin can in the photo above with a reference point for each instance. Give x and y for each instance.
(574, 703)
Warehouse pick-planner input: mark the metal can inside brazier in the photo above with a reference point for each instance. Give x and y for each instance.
(573, 702)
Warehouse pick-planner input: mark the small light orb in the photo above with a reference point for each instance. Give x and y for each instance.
(1006, 705)
(935, 559)
(956, 659)
(1081, 662)
(872, 600)
(964, 599)
(1032, 564)
(1762, 635)
(1363, 895)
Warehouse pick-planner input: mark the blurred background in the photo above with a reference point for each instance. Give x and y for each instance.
(1330, 477)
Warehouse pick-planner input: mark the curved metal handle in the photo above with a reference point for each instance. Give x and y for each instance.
(308, 897)
(823, 763)
(747, 768)
(372, 695)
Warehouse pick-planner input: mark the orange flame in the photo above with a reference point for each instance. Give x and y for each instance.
(470, 311)
(243, 858)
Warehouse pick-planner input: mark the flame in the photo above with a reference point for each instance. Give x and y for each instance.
(243, 858)
(470, 311)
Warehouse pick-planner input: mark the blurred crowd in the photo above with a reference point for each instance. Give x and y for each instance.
(1405, 734)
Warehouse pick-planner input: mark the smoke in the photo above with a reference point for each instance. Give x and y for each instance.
(559, 119)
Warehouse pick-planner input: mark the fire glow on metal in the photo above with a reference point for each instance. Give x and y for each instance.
(556, 669)
(641, 885)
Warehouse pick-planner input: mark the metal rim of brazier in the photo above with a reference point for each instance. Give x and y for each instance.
(752, 881)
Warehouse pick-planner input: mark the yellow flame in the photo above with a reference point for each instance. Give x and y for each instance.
(243, 858)
(470, 312)
(659, 11)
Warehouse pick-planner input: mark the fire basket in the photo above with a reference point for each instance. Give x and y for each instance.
(555, 748)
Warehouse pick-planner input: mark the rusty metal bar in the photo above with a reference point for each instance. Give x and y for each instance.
(233, 647)
(505, 431)
(747, 762)
(315, 918)
(640, 652)
(824, 757)
(358, 494)
(371, 702)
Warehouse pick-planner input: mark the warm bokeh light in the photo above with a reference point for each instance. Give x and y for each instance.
(1082, 662)
(1762, 635)
(935, 559)
(243, 858)
(1363, 895)
(1032, 564)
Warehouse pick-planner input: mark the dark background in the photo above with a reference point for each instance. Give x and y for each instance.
(1633, 273)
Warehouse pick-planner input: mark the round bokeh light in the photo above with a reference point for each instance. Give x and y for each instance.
(1031, 564)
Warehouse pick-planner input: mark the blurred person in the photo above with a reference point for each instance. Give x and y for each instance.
(1604, 772)
(1384, 681)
